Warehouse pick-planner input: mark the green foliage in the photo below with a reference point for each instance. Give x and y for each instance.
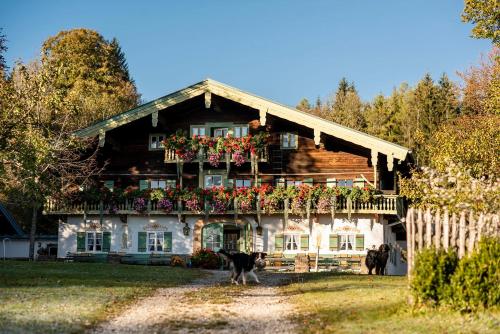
(476, 282)
(91, 75)
(432, 275)
(304, 105)
(473, 142)
(485, 14)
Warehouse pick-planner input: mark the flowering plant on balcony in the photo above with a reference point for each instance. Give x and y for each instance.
(139, 204)
(192, 198)
(166, 205)
(245, 197)
(218, 199)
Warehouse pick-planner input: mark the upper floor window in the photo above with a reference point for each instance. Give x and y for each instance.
(198, 131)
(293, 183)
(345, 183)
(156, 141)
(240, 131)
(289, 140)
(221, 132)
(243, 183)
(157, 184)
(213, 181)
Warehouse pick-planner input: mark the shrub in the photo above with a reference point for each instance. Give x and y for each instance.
(206, 259)
(177, 261)
(476, 282)
(432, 274)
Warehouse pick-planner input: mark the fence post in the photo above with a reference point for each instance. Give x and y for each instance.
(446, 229)
(461, 236)
(409, 243)
(420, 223)
(472, 232)
(428, 227)
(437, 235)
(454, 230)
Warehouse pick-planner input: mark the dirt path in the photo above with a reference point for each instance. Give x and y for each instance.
(209, 305)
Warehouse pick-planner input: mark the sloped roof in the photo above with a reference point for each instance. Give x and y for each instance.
(265, 106)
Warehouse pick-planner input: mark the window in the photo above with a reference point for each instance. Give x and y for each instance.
(171, 183)
(155, 241)
(156, 141)
(198, 131)
(243, 183)
(330, 183)
(212, 238)
(221, 132)
(289, 140)
(213, 181)
(240, 131)
(359, 183)
(157, 184)
(293, 183)
(292, 242)
(344, 183)
(347, 242)
(94, 241)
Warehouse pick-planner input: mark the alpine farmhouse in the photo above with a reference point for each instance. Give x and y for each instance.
(212, 166)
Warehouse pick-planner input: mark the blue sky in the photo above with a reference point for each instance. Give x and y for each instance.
(282, 50)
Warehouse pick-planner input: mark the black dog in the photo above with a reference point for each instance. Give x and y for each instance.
(242, 264)
(377, 259)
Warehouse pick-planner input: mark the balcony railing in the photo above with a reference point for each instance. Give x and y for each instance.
(172, 157)
(381, 204)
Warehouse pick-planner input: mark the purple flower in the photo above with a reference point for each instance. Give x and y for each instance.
(139, 204)
(165, 205)
(193, 205)
(214, 158)
(218, 206)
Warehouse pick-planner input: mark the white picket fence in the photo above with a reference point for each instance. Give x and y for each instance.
(441, 229)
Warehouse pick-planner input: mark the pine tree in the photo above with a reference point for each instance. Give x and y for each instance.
(304, 105)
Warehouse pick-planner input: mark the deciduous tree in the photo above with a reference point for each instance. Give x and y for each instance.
(485, 14)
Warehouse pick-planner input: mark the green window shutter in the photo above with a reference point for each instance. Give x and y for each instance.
(278, 243)
(106, 241)
(110, 184)
(228, 183)
(143, 184)
(141, 244)
(80, 241)
(259, 182)
(334, 242)
(360, 242)
(309, 181)
(167, 242)
(304, 242)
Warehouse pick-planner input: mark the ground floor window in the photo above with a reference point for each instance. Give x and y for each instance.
(155, 241)
(347, 242)
(292, 242)
(94, 241)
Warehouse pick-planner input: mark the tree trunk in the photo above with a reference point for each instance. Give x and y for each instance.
(34, 219)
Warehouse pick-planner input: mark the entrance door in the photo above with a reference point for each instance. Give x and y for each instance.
(211, 236)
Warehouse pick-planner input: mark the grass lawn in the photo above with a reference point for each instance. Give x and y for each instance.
(333, 303)
(57, 297)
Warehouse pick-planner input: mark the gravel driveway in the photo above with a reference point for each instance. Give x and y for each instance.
(209, 305)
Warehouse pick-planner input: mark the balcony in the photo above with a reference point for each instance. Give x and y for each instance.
(202, 156)
(381, 204)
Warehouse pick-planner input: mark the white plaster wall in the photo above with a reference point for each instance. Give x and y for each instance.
(321, 230)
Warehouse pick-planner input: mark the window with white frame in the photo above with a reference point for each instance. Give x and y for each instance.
(155, 241)
(289, 140)
(221, 132)
(94, 242)
(156, 141)
(157, 184)
(198, 131)
(213, 181)
(292, 242)
(347, 242)
(240, 131)
(243, 183)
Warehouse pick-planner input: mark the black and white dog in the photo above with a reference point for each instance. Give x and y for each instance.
(243, 264)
